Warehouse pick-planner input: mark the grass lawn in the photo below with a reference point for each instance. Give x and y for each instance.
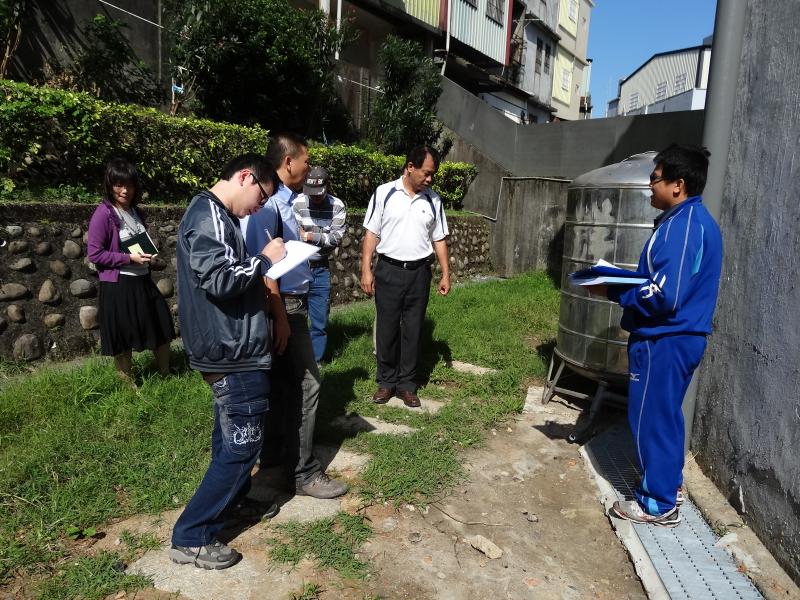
(78, 448)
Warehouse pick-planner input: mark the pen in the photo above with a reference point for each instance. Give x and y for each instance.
(269, 235)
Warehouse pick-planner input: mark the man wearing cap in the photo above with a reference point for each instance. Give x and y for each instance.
(322, 222)
(289, 438)
(405, 223)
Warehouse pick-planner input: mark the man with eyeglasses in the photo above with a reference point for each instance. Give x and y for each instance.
(227, 339)
(668, 317)
(296, 380)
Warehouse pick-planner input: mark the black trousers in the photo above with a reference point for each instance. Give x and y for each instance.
(401, 298)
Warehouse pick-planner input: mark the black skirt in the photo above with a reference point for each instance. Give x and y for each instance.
(133, 316)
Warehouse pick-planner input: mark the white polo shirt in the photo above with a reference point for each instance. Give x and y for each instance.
(405, 225)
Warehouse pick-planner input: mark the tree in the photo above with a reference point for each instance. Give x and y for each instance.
(255, 61)
(11, 15)
(107, 67)
(404, 114)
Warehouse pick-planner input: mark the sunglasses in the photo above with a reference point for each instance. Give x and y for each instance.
(655, 178)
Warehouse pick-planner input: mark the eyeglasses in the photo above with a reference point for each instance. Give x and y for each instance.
(654, 179)
(264, 194)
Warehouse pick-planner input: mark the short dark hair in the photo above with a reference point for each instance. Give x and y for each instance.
(283, 144)
(417, 156)
(257, 163)
(120, 171)
(689, 163)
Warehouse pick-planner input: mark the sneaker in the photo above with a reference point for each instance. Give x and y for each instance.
(321, 486)
(631, 511)
(680, 497)
(213, 556)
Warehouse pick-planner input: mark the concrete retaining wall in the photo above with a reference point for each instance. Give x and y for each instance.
(529, 226)
(747, 424)
(48, 288)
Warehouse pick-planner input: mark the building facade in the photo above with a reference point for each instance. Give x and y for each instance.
(667, 82)
(572, 69)
(533, 45)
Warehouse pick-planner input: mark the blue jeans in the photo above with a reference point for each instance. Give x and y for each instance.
(240, 405)
(319, 296)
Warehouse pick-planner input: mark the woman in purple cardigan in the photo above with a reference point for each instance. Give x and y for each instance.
(132, 313)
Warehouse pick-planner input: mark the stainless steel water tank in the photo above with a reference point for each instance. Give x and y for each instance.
(608, 216)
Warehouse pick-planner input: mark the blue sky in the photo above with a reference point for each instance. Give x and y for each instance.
(625, 33)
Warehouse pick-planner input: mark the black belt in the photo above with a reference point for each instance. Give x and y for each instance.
(318, 263)
(407, 264)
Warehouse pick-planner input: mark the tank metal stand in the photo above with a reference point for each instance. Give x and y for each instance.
(584, 430)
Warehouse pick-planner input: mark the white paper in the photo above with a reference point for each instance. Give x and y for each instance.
(604, 263)
(296, 253)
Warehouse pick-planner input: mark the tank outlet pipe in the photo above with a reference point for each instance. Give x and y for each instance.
(726, 53)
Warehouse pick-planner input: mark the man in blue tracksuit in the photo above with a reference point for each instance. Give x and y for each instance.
(668, 317)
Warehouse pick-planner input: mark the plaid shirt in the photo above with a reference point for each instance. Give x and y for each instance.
(325, 221)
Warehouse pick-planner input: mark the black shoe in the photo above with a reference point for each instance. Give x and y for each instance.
(253, 510)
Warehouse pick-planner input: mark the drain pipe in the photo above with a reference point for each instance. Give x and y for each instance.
(447, 43)
(338, 23)
(726, 52)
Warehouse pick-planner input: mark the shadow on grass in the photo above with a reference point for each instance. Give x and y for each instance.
(178, 365)
(432, 352)
(338, 389)
(545, 351)
(340, 335)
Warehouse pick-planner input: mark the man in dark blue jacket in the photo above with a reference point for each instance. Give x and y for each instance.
(227, 339)
(668, 317)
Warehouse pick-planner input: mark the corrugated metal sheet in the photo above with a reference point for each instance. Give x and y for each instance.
(471, 26)
(660, 79)
(426, 11)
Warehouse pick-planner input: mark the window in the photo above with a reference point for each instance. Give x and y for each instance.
(661, 91)
(547, 53)
(539, 53)
(633, 101)
(494, 10)
(565, 77)
(573, 10)
(680, 83)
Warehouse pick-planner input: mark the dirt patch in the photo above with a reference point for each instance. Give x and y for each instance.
(529, 494)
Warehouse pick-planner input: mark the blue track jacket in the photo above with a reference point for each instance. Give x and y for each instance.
(683, 260)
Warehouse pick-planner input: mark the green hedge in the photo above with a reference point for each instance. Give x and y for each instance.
(51, 138)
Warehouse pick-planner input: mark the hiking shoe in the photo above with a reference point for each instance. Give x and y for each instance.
(321, 486)
(253, 510)
(213, 556)
(680, 497)
(631, 511)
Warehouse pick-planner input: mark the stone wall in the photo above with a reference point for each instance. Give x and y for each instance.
(48, 288)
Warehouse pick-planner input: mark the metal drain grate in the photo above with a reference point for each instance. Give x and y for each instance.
(688, 563)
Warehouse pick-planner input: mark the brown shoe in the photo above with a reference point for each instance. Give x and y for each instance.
(382, 396)
(409, 398)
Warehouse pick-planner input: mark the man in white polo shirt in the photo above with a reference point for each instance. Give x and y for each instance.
(405, 223)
